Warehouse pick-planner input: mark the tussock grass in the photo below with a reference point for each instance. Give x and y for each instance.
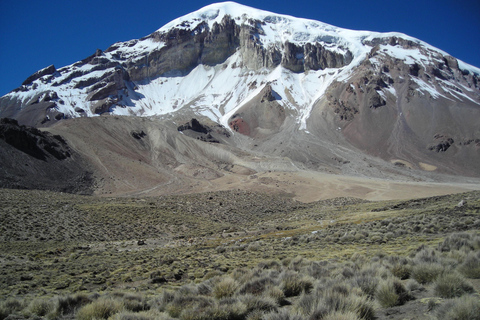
(329, 259)
(102, 308)
(451, 285)
(463, 308)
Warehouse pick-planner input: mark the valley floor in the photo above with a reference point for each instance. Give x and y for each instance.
(237, 255)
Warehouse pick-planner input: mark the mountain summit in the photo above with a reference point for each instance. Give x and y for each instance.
(317, 95)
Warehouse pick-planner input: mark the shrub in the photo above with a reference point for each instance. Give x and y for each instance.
(456, 241)
(225, 288)
(256, 286)
(391, 292)
(69, 304)
(276, 293)
(413, 285)
(10, 306)
(293, 284)
(255, 315)
(401, 271)
(367, 283)
(463, 308)
(41, 307)
(135, 303)
(451, 285)
(426, 272)
(470, 268)
(386, 295)
(230, 309)
(188, 304)
(102, 308)
(144, 315)
(426, 255)
(342, 315)
(162, 300)
(258, 303)
(283, 314)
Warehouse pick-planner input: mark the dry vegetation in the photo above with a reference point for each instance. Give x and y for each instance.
(238, 255)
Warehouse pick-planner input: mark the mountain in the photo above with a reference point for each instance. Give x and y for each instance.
(265, 92)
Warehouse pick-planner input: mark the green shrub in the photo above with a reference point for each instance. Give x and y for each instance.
(457, 241)
(263, 303)
(293, 284)
(135, 302)
(401, 271)
(276, 293)
(413, 285)
(386, 294)
(463, 308)
(161, 301)
(283, 314)
(426, 272)
(10, 306)
(342, 315)
(190, 303)
(70, 303)
(470, 268)
(102, 308)
(367, 283)
(41, 307)
(255, 315)
(256, 286)
(225, 288)
(144, 315)
(451, 285)
(226, 309)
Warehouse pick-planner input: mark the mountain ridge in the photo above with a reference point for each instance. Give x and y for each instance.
(286, 90)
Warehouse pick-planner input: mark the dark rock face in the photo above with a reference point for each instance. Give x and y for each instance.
(203, 132)
(46, 71)
(32, 141)
(444, 143)
(33, 159)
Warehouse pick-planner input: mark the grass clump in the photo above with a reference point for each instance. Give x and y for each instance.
(426, 272)
(293, 284)
(470, 268)
(386, 295)
(102, 308)
(391, 292)
(10, 306)
(451, 285)
(225, 288)
(463, 308)
(41, 307)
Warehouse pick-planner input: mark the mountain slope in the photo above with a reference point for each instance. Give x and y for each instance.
(323, 97)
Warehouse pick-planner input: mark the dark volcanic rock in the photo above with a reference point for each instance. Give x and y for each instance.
(203, 132)
(34, 159)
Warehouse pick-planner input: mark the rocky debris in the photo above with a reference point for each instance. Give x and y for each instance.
(34, 159)
(194, 125)
(203, 132)
(345, 111)
(443, 145)
(268, 94)
(138, 134)
(375, 100)
(239, 125)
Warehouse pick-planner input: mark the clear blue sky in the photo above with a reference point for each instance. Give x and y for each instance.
(35, 34)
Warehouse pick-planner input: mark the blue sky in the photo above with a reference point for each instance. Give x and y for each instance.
(35, 34)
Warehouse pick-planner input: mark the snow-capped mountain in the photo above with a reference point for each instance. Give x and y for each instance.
(274, 78)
